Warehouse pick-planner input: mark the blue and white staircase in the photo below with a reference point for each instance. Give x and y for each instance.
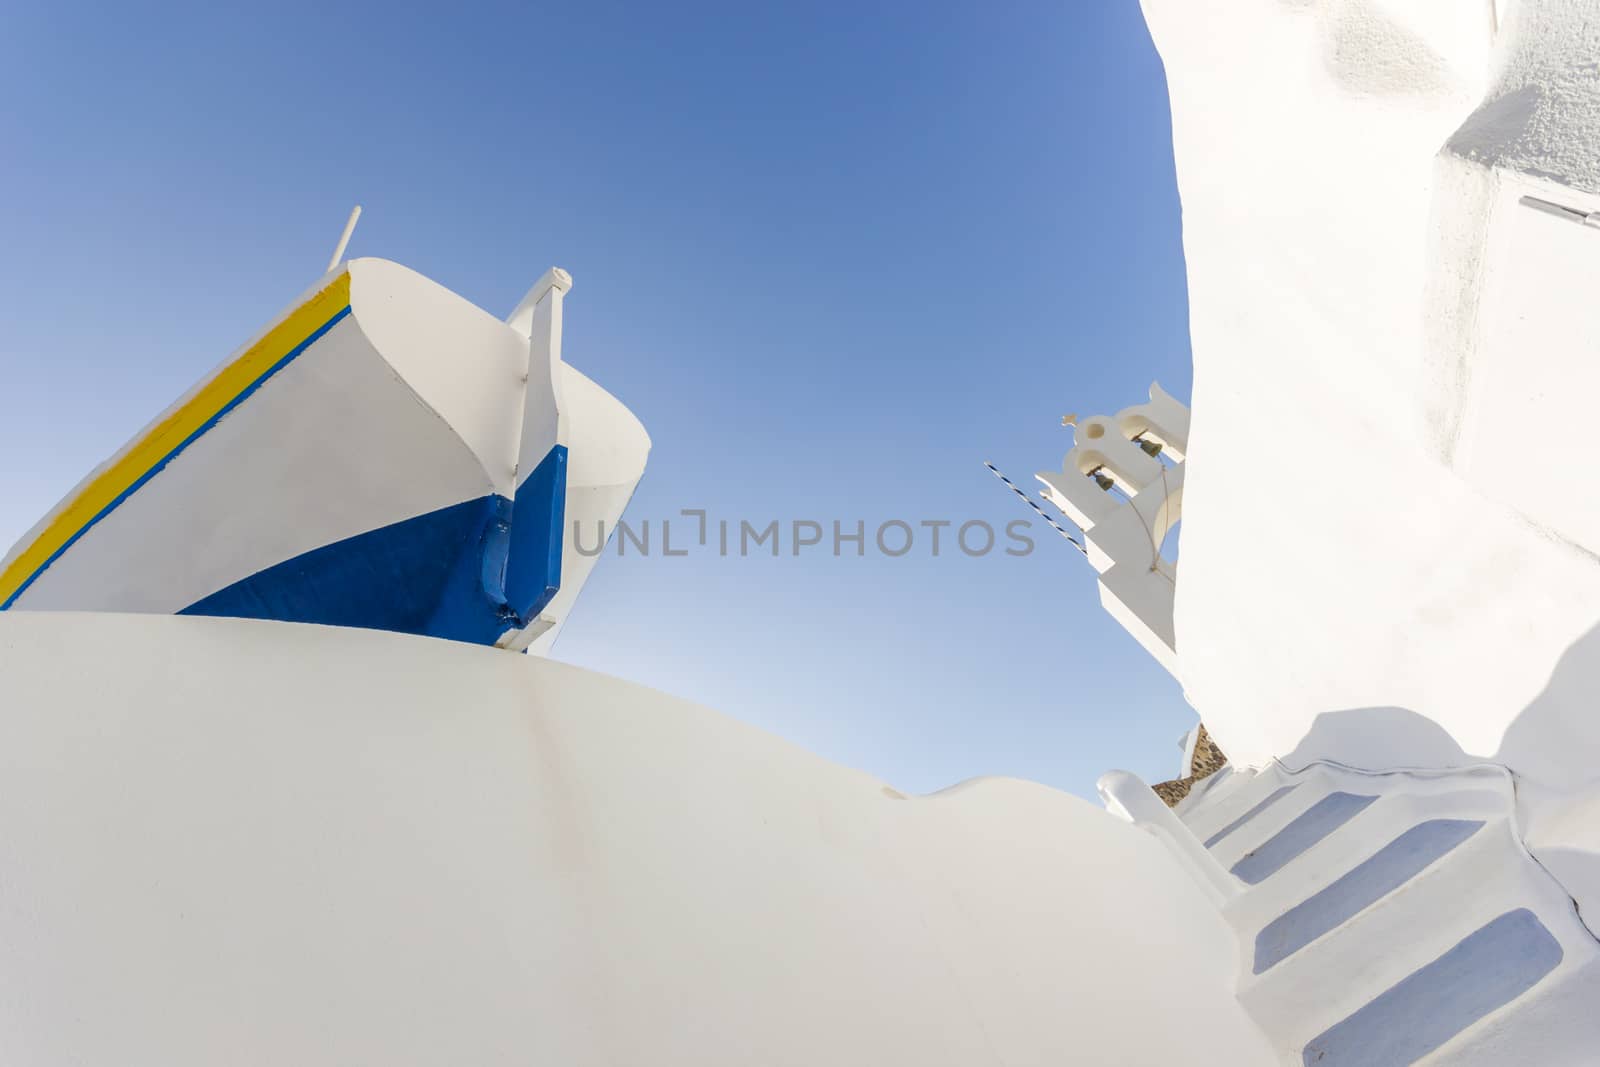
(1393, 918)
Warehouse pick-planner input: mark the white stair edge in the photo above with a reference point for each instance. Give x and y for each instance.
(1321, 779)
(1354, 843)
(1293, 1002)
(1313, 787)
(1554, 1024)
(1232, 799)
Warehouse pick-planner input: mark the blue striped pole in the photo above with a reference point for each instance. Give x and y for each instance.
(1028, 500)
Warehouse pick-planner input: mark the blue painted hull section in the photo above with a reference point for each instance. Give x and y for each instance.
(468, 572)
(533, 569)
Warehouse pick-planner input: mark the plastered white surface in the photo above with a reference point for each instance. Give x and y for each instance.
(1354, 543)
(252, 842)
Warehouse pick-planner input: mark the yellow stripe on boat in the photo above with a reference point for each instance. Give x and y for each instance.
(166, 438)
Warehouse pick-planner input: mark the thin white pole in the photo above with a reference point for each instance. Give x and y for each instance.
(344, 238)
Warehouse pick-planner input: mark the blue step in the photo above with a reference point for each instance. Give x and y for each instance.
(1308, 828)
(1276, 796)
(1489, 968)
(1363, 885)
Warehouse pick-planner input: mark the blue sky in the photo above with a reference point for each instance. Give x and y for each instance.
(834, 256)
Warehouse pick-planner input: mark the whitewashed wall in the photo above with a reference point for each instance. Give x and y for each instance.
(231, 841)
(1390, 547)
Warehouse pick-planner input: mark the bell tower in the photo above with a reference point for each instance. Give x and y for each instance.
(1119, 487)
